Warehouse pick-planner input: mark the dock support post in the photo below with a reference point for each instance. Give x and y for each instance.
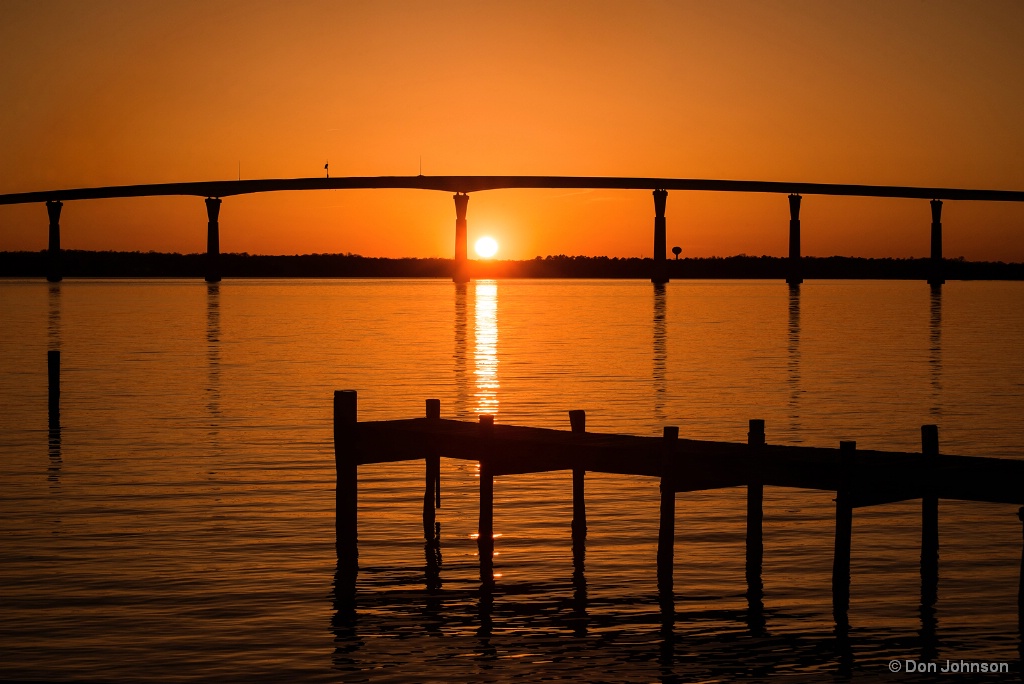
(345, 416)
(461, 272)
(935, 267)
(755, 517)
(53, 378)
(667, 523)
(795, 263)
(213, 240)
(432, 471)
(578, 422)
(1020, 587)
(660, 273)
(929, 517)
(485, 528)
(54, 272)
(844, 534)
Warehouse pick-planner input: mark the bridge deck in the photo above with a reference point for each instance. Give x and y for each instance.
(226, 188)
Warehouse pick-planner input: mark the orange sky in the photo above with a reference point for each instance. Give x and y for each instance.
(905, 93)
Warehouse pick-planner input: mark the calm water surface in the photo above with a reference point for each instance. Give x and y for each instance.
(179, 524)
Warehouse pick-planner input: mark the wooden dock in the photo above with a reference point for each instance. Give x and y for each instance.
(858, 477)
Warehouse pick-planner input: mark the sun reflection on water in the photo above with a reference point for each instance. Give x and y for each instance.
(485, 352)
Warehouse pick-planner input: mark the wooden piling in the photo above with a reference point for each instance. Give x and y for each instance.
(432, 477)
(667, 523)
(578, 422)
(929, 516)
(53, 385)
(345, 417)
(485, 528)
(1020, 587)
(844, 532)
(755, 517)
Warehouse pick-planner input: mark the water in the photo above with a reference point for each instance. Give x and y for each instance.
(179, 525)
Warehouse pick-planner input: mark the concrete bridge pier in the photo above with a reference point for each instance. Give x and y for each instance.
(461, 273)
(213, 240)
(53, 261)
(660, 274)
(795, 264)
(936, 277)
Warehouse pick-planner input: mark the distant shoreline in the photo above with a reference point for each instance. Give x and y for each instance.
(92, 264)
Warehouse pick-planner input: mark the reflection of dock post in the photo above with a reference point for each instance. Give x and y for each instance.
(935, 265)
(345, 462)
(213, 240)
(461, 272)
(667, 523)
(660, 273)
(755, 516)
(844, 532)
(795, 263)
(485, 528)
(53, 377)
(578, 422)
(53, 259)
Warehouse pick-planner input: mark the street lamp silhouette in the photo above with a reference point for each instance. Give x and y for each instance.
(677, 250)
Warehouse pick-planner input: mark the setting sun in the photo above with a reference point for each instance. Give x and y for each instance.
(486, 247)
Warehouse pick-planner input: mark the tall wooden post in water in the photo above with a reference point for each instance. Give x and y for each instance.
(346, 503)
(485, 528)
(755, 516)
(844, 533)
(213, 240)
(54, 272)
(667, 522)
(578, 422)
(432, 472)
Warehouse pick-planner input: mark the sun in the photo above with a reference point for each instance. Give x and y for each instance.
(486, 247)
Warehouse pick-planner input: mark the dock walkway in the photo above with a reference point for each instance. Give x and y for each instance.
(858, 477)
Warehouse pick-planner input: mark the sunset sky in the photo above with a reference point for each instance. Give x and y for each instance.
(903, 93)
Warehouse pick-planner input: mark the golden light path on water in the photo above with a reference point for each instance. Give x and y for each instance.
(485, 354)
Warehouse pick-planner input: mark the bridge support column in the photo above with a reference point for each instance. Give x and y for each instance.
(461, 273)
(795, 264)
(213, 240)
(53, 261)
(660, 274)
(936, 277)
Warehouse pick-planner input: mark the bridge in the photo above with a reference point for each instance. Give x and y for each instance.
(213, 191)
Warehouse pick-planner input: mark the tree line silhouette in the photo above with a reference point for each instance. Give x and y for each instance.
(103, 264)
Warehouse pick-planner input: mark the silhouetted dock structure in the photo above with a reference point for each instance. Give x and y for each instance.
(859, 478)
